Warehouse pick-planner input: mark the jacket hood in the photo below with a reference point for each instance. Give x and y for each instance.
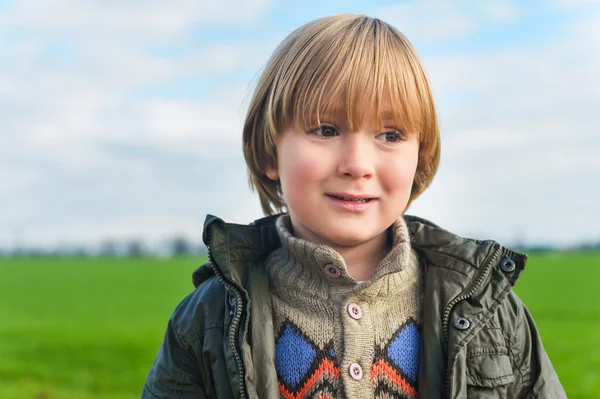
(234, 246)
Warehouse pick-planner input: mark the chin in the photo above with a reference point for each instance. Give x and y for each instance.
(347, 238)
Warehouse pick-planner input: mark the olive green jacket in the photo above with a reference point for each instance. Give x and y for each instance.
(478, 339)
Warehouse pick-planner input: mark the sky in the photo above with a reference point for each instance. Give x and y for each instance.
(122, 120)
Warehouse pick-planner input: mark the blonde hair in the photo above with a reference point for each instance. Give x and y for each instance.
(347, 58)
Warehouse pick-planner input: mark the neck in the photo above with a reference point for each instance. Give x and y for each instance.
(361, 259)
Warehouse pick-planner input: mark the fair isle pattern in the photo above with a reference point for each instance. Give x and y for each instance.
(303, 369)
(396, 365)
(311, 316)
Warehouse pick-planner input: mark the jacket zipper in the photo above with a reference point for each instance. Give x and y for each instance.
(236, 320)
(479, 280)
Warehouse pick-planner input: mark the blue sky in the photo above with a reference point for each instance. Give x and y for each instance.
(123, 119)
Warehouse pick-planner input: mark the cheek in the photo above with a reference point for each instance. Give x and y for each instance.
(399, 173)
(304, 170)
(301, 169)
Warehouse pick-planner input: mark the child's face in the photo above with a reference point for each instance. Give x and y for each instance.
(323, 173)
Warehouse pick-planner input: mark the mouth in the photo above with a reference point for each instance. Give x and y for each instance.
(352, 198)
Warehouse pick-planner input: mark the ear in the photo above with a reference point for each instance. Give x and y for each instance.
(271, 172)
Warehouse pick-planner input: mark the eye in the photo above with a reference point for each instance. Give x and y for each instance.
(391, 137)
(325, 131)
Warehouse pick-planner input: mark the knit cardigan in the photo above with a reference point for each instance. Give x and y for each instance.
(336, 338)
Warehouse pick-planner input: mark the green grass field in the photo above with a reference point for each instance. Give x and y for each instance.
(80, 329)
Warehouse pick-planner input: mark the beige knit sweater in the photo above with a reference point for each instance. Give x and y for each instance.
(336, 338)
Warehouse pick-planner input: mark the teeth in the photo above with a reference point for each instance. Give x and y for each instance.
(348, 199)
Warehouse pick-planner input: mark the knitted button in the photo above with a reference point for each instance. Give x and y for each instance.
(507, 265)
(354, 311)
(332, 270)
(461, 323)
(356, 371)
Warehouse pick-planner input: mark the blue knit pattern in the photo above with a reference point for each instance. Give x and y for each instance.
(403, 350)
(396, 363)
(304, 370)
(294, 356)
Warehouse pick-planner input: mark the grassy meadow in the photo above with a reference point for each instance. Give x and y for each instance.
(90, 328)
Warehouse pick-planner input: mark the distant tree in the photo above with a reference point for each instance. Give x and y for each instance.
(80, 252)
(17, 251)
(108, 248)
(135, 249)
(180, 246)
(57, 253)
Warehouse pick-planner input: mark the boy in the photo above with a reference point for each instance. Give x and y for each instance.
(343, 296)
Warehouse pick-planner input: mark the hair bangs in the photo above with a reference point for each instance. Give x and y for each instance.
(363, 67)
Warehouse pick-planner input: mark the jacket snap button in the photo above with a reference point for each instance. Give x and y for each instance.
(356, 371)
(354, 311)
(507, 265)
(461, 323)
(332, 270)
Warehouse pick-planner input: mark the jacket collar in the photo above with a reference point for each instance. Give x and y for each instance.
(454, 269)
(232, 246)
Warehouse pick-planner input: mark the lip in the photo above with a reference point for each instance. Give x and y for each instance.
(354, 197)
(351, 205)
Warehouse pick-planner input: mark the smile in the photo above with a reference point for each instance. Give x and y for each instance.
(352, 203)
(351, 199)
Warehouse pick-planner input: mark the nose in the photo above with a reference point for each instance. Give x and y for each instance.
(356, 159)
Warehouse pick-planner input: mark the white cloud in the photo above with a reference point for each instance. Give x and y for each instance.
(520, 143)
(90, 95)
(220, 58)
(499, 11)
(14, 180)
(441, 21)
(576, 3)
(87, 153)
(82, 148)
(139, 19)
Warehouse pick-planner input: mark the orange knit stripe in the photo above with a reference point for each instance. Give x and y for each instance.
(381, 367)
(326, 367)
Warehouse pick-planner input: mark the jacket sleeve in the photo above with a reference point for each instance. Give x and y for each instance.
(539, 380)
(174, 373)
